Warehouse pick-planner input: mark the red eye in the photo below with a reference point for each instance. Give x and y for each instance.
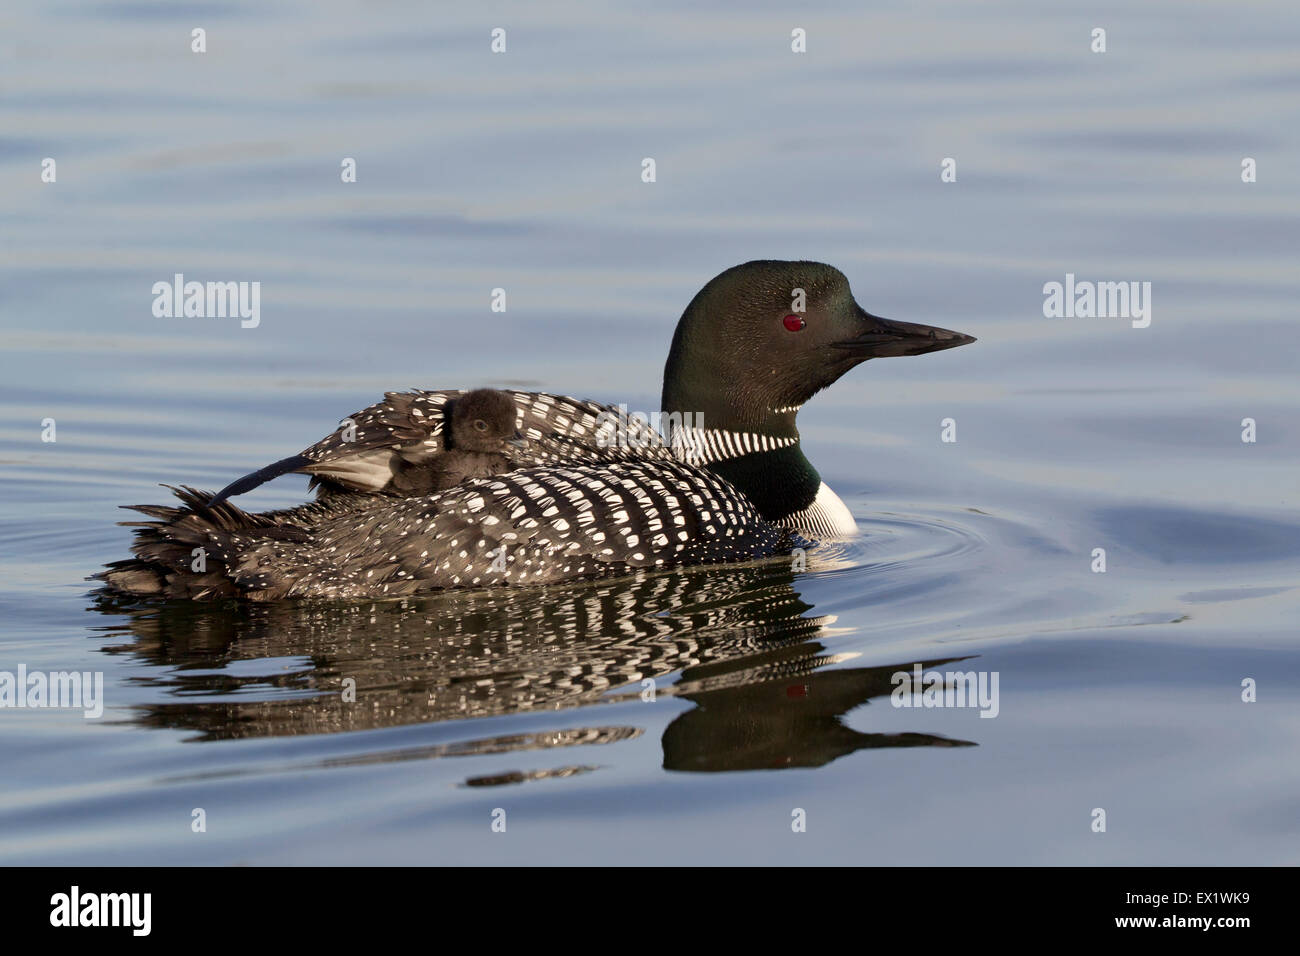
(794, 322)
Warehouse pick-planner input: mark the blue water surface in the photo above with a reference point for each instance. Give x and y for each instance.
(1118, 691)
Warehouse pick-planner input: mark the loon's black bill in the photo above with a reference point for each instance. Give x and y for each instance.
(889, 338)
(517, 441)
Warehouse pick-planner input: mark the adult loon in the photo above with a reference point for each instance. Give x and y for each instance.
(732, 484)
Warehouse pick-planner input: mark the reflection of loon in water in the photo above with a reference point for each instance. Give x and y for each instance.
(751, 658)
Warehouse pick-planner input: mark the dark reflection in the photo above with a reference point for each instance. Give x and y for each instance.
(776, 709)
(744, 641)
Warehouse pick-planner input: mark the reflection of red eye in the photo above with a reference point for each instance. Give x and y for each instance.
(794, 322)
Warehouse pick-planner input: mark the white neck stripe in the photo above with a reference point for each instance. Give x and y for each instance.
(715, 444)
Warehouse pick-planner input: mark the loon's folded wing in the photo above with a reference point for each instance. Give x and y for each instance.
(378, 448)
(533, 526)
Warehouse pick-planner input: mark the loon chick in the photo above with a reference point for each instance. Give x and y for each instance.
(482, 426)
(480, 437)
(393, 446)
(751, 348)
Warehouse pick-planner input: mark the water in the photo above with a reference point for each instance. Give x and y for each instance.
(521, 171)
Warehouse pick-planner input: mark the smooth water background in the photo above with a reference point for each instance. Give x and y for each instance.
(522, 171)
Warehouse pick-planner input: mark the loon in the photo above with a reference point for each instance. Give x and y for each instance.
(593, 493)
(482, 425)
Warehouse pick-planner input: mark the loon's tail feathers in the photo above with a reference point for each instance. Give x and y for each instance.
(183, 553)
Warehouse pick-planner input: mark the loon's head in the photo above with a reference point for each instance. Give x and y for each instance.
(483, 420)
(750, 349)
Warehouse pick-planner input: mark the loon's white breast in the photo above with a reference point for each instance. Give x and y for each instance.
(826, 517)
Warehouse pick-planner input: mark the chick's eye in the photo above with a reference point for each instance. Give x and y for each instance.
(480, 425)
(794, 323)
